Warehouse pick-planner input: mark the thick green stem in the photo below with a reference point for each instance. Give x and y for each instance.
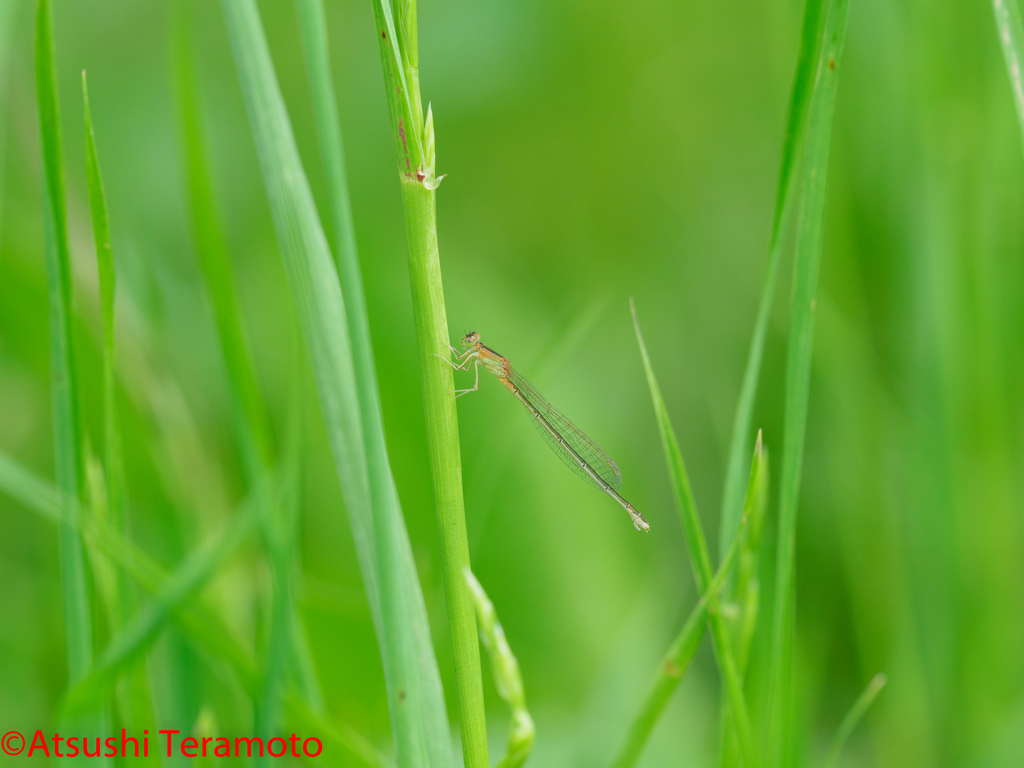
(445, 461)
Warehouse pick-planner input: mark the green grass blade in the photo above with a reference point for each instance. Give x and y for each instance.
(437, 384)
(252, 418)
(313, 27)
(69, 441)
(675, 664)
(507, 677)
(699, 558)
(853, 717)
(800, 99)
(806, 266)
(252, 421)
(135, 698)
(1011, 38)
(201, 625)
(396, 601)
(113, 465)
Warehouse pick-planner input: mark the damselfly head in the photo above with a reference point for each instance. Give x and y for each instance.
(470, 339)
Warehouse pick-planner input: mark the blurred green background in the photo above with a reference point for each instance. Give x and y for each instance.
(594, 151)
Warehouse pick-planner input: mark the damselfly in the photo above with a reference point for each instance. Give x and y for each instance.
(581, 454)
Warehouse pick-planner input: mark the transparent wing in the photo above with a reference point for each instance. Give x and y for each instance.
(599, 461)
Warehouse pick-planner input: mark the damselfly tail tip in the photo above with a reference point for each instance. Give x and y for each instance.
(639, 522)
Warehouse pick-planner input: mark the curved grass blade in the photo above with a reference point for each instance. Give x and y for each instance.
(1011, 38)
(676, 663)
(806, 266)
(389, 574)
(699, 558)
(852, 718)
(507, 677)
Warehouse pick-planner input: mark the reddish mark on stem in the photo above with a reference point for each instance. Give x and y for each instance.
(831, 62)
(671, 669)
(384, 35)
(401, 135)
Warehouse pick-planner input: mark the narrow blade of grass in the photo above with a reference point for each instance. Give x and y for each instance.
(853, 717)
(251, 415)
(1011, 38)
(135, 696)
(418, 183)
(113, 465)
(252, 421)
(803, 81)
(69, 442)
(396, 601)
(507, 677)
(699, 558)
(806, 265)
(675, 664)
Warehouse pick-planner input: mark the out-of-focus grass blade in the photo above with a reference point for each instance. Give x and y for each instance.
(806, 265)
(146, 624)
(852, 718)
(313, 27)
(799, 103)
(201, 625)
(800, 99)
(113, 465)
(413, 682)
(675, 664)
(135, 699)
(507, 677)
(1011, 38)
(69, 442)
(699, 558)
(252, 421)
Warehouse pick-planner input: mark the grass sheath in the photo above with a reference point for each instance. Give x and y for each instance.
(415, 698)
(675, 664)
(414, 144)
(700, 559)
(806, 265)
(1011, 38)
(853, 717)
